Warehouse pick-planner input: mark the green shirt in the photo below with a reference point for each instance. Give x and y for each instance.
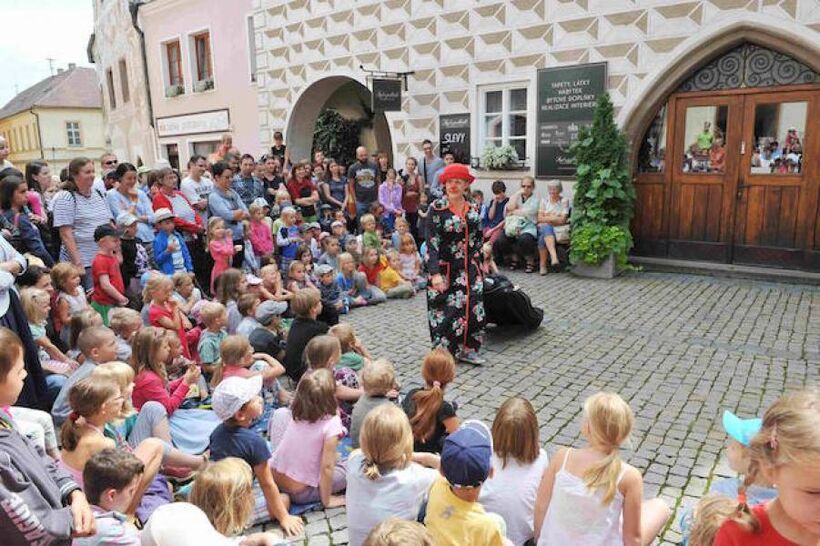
(352, 360)
(705, 140)
(371, 239)
(209, 346)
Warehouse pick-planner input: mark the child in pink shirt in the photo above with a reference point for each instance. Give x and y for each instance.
(259, 232)
(221, 247)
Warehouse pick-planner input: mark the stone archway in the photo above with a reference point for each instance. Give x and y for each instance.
(345, 95)
(799, 42)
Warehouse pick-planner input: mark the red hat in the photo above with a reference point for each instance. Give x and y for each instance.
(457, 171)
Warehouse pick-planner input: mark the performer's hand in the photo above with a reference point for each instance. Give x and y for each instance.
(437, 282)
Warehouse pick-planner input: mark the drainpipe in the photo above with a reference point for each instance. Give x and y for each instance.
(134, 8)
(39, 132)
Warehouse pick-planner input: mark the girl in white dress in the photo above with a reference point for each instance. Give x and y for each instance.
(590, 496)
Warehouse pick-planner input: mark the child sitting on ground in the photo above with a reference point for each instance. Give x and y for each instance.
(391, 281)
(488, 265)
(339, 230)
(378, 382)
(353, 248)
(37, 306)
(298, 277)
(454, 516)
(596, 479)
(215, 317)
(386, 479)
(305, 464)
(185, 292)
(410, 262)
(111, 479)
(272, 288)
(269, 338)
(333, 304)
(323, 352)
(247, 305)
(330, 256)
(370, 237)
(176, 365)
(86, 318)
(98, 344)
(785, 451)
(71, 300)
(399, 532)
(39, 493)
(306, 304)
(164, 311)
(518, 464)
(224, 491)
(357, 291)
(402, 229)
(125, 323)
(237, 359)
(354, 353)
(431, 416)
(237, 403)
(109, 287)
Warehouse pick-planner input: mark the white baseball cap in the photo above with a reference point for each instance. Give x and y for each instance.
(181, 524)
(233, 393)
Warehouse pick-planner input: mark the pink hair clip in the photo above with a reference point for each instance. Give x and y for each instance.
(773, 437)
(437, 384)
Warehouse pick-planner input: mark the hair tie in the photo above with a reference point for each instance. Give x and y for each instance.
(73, 416)
(773, 437)
(741, 497)
(437, 384)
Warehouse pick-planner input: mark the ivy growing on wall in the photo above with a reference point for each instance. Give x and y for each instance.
(337, 136)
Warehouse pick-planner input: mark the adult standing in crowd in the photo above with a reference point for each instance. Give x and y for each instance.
(280, 151)
(225, 203)
(383, 162)
(430, 164)
(303, 191)
(272, 179)
(4, 154)
(38, 180)
(79, 209)
(225, 144)
(436, 188)
(245, 183)
(196, 186)
(363, 175)
(108, 163)
(335, 189)
(455, 309)
(127, 198)
(520, 232)
(411, 187)
(14, 206)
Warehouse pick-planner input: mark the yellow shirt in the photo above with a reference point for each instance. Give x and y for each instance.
(456, 522)
(389, 278)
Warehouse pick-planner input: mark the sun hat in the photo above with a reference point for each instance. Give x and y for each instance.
(465, 457)
(162, 214)
(181, 524)
(456, 171)
(323, 269)
(337, 223)
(125, 219)
(742, 430)
(269, 310)
(106, 230)
(252, 280)
(233, 393)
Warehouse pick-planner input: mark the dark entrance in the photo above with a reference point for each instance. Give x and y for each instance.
(729, 170)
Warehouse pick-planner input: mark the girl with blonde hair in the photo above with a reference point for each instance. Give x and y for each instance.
(385, 478)
(224, 491)
(354, 354)
(785, 452)
(37, 306)
(593, 497)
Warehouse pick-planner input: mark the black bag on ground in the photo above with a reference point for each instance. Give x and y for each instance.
(505, 305)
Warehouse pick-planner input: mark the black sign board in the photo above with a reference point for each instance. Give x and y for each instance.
(566, 102)
(454, 136)
(386, 95)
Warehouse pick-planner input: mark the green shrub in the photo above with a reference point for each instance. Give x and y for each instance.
(593, 243)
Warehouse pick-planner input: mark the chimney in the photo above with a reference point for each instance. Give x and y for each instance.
(72, 66)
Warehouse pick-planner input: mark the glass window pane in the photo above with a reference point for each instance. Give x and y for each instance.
(520, 145)
(518, 125)
(492, 102)
(779, 131)
(652, 154)
(492, 126)
(705, 137)
(518, 99)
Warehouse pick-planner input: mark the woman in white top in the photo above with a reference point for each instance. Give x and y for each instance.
(553, 211)
(518, 464)
(589, 496)
(520, 230)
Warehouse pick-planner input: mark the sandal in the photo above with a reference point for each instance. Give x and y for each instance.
(513, 266)
(542, 270)
(529, 268)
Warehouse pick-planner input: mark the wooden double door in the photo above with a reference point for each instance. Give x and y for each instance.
(740, 181)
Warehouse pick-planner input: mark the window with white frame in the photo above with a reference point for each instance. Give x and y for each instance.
(72, 129)
(504, 118)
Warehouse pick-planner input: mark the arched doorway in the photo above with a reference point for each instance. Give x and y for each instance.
(348, 97)
(729, 168)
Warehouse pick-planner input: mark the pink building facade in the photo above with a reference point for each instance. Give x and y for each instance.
(201, 73)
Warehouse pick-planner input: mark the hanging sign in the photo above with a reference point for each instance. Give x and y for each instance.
(386, 95)
(566, 102)
(454, 136)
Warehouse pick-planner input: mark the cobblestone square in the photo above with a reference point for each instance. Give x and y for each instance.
(680, 349)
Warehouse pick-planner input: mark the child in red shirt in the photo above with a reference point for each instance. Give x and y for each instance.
(164, 311)
(109, 287)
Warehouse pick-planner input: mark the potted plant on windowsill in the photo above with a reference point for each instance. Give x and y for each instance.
(604, 197)
(204, 85)
(174, 90)
(499, 158)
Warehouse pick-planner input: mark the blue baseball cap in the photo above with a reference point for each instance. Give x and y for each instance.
(742, 430)
(465, 457)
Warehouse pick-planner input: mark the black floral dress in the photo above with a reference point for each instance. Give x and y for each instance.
(456, 316)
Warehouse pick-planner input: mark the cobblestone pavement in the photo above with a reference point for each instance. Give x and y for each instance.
(678, 348)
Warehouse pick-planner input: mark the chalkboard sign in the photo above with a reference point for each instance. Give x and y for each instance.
(566, 102)
(454, 136)
(386, 95)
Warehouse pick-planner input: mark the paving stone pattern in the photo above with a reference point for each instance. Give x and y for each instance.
(680, 349)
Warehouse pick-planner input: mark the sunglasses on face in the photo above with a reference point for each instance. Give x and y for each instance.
(110, 162)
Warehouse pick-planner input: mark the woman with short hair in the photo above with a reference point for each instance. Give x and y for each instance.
(553, 212)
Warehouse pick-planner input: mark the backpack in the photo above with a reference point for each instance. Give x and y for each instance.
(506, 305)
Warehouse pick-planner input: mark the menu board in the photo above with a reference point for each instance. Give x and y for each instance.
(454, 136)
(566, 102)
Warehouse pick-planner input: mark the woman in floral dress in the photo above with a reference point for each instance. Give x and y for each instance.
(455, 310)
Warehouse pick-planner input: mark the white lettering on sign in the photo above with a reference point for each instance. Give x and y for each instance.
(189, 124)
(454, 138)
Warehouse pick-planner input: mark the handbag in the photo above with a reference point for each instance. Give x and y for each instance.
(561, 233)
(513, 225)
